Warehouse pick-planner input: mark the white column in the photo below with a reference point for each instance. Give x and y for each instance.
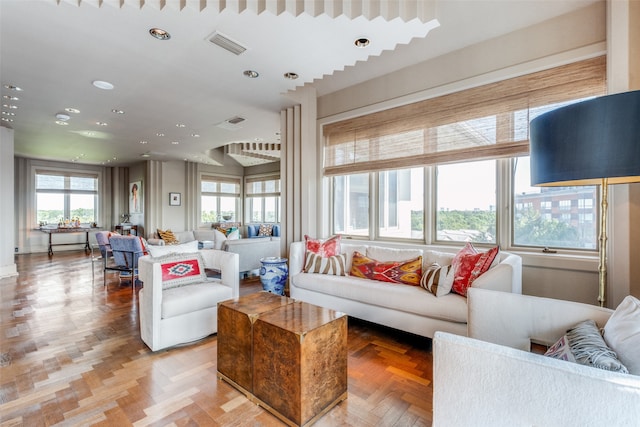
(7, 209)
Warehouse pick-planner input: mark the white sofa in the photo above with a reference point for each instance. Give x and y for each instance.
(185, 311)
(252, 250)
(404, 307)
(491, 378)
(191, 235)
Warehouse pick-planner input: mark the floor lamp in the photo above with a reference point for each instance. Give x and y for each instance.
(594, 142)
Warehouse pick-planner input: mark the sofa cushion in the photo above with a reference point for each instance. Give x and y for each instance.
(335, 265)
(583, 344)
(468, 264)
(383, 254)
(178, 270)
(182, 248)
(187, 299)
(437, 279)
(622, 333)
(406, 272)
(404, 298)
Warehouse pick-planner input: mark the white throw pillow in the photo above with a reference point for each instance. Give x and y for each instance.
(219, 239)
(622, 333)
(234, 235)
(383, 254)
(183, 248)
(438, 280)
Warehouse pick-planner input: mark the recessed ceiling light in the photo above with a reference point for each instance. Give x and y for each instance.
(62, 117)
(5, 119)
(175, 142)
(10, 106)
(72, 110)
(251, 74)
(8, 113)
(159, 34)
(145, 155)
(11, 87)
(117, 111)
(101, 123)
(61, 123)
(362, 42)
(180, 125)
(159, 134)
(290, 76)
(143, 142)
(100, 84)
(195, 135)
(11, 98)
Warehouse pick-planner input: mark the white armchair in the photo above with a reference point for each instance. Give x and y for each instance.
(178, 303)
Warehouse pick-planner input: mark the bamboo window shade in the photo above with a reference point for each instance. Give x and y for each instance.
(489, 121)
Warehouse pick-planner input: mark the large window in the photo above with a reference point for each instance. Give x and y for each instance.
(473, 148)
(64, 196)
(262, 199)
(220, 199)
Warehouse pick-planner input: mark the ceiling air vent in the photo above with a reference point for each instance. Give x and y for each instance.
(232, 123)
(226, 43)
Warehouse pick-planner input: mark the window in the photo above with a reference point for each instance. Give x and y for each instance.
(61, 196)
(351, 204)
(401, 203)
(466, 202)
(473, 148)
(220, 198)
(262, 202)
(558, 228)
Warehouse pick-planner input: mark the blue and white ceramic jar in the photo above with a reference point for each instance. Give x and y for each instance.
(273, 274)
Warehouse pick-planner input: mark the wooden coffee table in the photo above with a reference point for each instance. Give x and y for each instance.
(299, 359)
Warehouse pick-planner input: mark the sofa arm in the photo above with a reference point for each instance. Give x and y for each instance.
(155, 242)
(506, 276)
(517, 320)
(296, 257)
(228, 265)
(516, 388)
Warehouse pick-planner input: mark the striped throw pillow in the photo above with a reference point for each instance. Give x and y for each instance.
(168, 237)
(437, 280)
(335, 265)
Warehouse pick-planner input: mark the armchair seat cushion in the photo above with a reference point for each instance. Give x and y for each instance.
(196, 296)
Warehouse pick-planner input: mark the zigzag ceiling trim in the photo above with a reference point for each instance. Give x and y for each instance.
(406, 10)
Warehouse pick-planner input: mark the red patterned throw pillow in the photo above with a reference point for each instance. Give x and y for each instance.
(180, 270)
(469, 264)
(400, 272)
(324, 248)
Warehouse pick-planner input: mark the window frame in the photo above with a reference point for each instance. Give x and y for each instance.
(219, 179)
(67, 192)
(262, 195)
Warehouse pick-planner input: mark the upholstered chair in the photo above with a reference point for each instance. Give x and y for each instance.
(126, 251)
(179, 303)
(103, 246)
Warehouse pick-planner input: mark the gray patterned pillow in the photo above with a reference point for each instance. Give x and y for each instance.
(583, 344)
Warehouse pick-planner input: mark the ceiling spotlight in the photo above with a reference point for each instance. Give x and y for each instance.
(8, 113)
(100, 84)
(62, 117)
(6, 119)
(159, 134)
(251, 74)
(159, 34)
(180, 125)
(290, 76)
(11, 98)
(116, 111)
(195, 135)
(175, 142)
(362, 42)
(72, 110)
(11, 87)
(101, 123)
(10, 106)
(145, 155)
(143, 142)
(61, 123)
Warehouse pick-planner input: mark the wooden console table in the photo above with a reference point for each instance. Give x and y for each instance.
(69, 230)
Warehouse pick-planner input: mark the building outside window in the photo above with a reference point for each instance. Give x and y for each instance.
(351, 204)
(220, 198)
(401, 203)
(63, 196)
(262, 199)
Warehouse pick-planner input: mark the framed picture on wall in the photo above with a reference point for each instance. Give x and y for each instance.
(174, 199)
(135, 197)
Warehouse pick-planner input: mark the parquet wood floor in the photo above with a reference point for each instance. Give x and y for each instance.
(72, 356)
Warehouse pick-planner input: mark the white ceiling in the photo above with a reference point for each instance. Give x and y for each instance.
(54, 49)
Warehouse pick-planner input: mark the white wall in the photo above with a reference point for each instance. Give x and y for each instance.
(7, 233)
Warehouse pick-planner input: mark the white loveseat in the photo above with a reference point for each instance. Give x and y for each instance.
(178, 307)
(404, 307)
(492, 379)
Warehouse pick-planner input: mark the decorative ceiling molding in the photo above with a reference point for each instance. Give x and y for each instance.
(253, 153)
(406, 10)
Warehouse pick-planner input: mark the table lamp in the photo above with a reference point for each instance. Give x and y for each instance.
(594, 142)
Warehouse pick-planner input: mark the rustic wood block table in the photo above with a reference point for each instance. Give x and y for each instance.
(235, 336)
(300, 361)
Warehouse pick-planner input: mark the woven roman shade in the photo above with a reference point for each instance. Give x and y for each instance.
(489, 121)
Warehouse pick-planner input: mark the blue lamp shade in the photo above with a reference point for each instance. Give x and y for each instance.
(582, 143)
